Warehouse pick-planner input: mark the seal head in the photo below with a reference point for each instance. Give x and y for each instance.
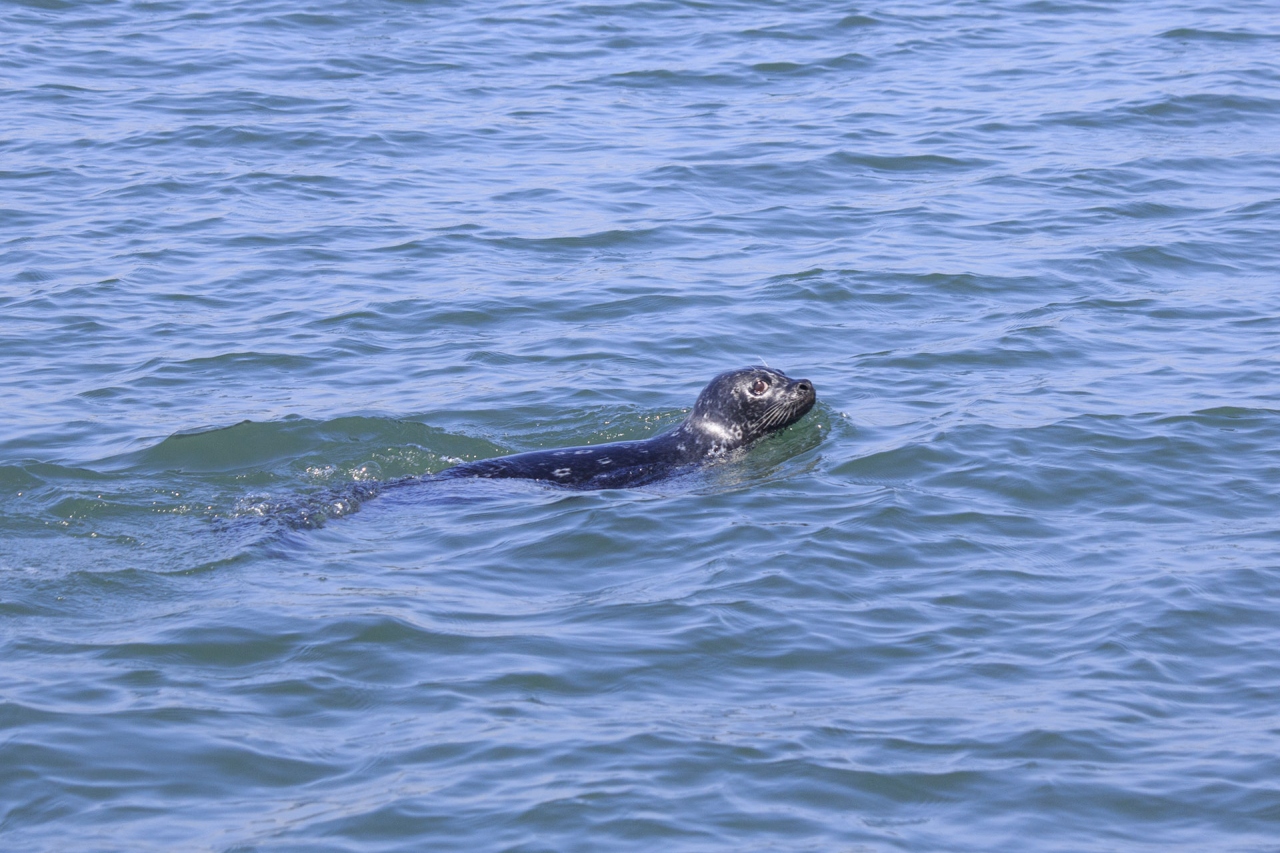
(740, 407)
(735, 410)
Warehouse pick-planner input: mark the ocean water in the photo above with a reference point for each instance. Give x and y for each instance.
(1014, 584)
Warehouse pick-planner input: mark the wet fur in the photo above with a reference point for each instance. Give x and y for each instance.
(727, 416)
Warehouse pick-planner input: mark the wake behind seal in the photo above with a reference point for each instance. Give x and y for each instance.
(734, 411)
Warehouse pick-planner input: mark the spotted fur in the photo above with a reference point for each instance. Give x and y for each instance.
(735, 410)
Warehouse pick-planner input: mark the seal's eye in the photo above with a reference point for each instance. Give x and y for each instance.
(759, 387)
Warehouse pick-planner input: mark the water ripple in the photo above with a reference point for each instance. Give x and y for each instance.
(1010, 585)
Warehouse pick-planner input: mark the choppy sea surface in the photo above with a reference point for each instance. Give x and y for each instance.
(1014, 584)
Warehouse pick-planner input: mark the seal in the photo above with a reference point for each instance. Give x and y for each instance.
(734, 411)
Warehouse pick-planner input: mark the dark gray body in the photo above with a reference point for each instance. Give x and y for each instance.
(736, 409)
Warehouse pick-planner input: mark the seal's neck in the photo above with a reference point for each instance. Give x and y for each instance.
(696, 440)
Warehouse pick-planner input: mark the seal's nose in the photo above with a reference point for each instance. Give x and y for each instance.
(805, 387)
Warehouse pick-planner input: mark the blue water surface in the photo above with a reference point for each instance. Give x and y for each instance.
(1014, 583)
